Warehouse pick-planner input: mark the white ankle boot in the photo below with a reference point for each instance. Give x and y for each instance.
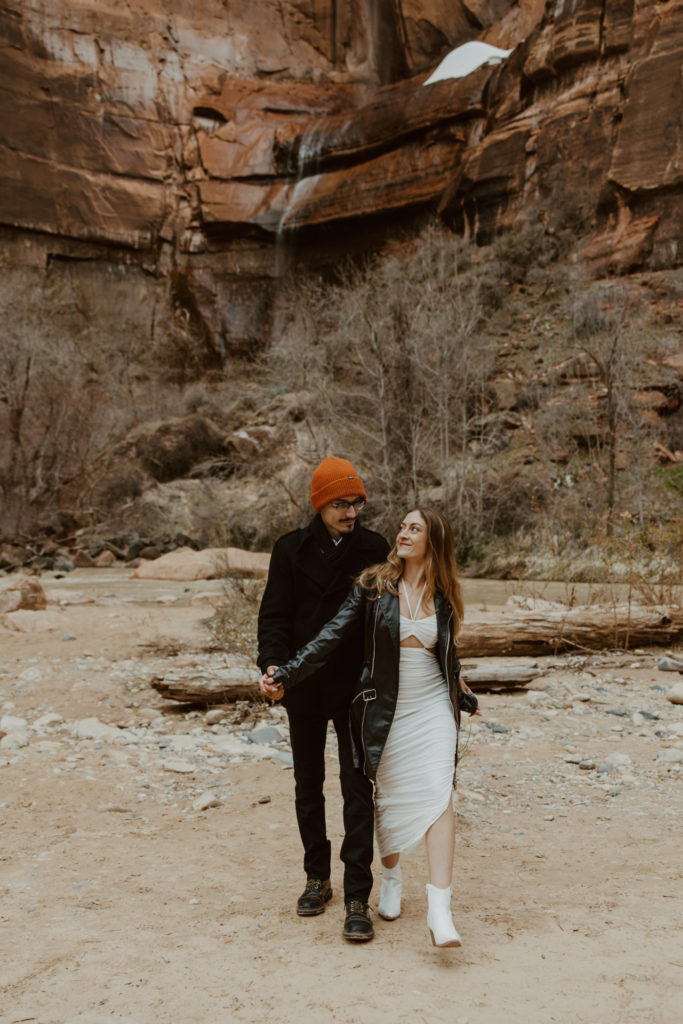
(390, 894)
(439, 920)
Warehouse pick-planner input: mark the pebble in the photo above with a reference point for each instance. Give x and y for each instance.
(114, 808)
(587, 765)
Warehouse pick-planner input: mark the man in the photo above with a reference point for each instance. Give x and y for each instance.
(311, 572)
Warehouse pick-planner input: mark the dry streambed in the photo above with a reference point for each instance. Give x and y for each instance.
(141, 836)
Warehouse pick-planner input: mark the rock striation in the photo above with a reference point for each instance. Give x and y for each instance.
(155, 161)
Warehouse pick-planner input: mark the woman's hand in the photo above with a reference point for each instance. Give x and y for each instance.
(465, 689)
(269, 688)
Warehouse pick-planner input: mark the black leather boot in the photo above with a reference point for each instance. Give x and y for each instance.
(357, 925)
(314, 897)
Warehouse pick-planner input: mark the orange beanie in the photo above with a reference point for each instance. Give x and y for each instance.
(334, 478)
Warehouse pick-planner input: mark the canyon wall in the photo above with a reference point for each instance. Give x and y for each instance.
(161, 169)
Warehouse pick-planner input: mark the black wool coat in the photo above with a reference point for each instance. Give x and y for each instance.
(374, 700)
(308, 579)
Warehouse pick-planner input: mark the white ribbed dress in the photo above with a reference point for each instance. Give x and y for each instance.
(414, 782)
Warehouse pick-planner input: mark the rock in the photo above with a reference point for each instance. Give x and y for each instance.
(587, 765)
(212, 563)
(12, 723)
(148, 713)
(93, 729)
(675, 694)
(671, 755)
(82, 560)
(14, 731)
(205, 801)
(114, 809)
(265, 734)
(179, 767)
(63, 564)
(23, 593)
(105, 560)
(618, 760)
(31, 622)
(670, 665)
(46, 721)
(215, 715)
(12, 556)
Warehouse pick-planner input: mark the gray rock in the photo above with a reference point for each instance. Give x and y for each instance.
(265, 734)
(282, 755)
(672, 755)
(670, 665)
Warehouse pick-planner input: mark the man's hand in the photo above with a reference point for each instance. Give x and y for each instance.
(274, 691)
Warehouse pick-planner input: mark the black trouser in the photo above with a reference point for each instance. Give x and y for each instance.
(308, 733)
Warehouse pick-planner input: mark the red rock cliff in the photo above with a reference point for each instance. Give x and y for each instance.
(151, 159)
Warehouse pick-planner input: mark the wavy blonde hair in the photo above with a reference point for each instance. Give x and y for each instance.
(441, 568)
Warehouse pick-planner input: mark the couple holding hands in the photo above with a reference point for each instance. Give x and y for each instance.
(364, 636)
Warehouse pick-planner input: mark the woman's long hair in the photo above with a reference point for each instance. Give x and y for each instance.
(441, 569)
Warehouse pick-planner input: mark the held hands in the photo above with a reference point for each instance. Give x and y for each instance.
(270, 689)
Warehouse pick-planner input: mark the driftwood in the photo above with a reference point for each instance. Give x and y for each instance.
(209, 689)
(500, 673)
(547, 631)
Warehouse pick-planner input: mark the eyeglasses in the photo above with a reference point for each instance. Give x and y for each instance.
(344, 506)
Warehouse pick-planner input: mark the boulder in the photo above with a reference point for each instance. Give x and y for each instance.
(209, 564)
(23, 593)
(23, 621)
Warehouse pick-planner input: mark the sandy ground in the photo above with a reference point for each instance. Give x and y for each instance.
(123, 902)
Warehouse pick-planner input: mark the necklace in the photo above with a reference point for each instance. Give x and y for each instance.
(413, 617)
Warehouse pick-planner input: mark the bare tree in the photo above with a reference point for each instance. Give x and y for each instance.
(600, 322)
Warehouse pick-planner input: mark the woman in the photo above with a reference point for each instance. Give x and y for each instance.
(406, 711)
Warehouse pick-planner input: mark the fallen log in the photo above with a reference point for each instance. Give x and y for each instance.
(549, 631)
(219, 688)
(513, 633)
(500, 673)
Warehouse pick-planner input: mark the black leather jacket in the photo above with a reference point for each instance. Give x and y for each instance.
(376, 691)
